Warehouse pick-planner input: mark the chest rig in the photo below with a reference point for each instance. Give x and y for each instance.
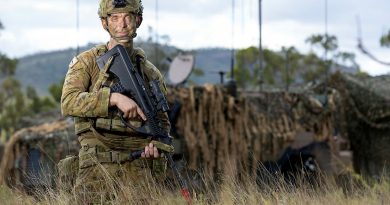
(112, 124)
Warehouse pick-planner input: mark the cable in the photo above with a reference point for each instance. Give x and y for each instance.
(363, 49)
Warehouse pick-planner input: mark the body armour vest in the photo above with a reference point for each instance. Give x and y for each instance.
(90, 107)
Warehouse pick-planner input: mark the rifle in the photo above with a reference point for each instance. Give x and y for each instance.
(151, 101)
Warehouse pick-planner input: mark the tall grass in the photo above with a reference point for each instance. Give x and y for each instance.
(349, 189)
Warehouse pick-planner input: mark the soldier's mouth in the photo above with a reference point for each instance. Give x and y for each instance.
(122, 34)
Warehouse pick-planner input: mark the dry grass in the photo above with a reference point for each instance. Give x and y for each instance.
(230, 191)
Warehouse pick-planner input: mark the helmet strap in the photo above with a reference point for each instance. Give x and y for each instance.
(106, 26)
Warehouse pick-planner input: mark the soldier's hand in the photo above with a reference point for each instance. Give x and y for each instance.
(129, 108)
(150, 151)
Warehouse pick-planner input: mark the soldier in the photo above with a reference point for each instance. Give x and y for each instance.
(105, 141)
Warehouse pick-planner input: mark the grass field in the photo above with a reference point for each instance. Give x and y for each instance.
(350, 189)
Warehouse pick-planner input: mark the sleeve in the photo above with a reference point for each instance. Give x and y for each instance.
(76, 99)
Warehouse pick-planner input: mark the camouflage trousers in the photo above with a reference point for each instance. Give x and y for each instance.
(105, 176)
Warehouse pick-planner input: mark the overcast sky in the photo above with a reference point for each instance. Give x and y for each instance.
(44, 25)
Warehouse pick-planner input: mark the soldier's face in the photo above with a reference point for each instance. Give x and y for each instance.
(121, 26)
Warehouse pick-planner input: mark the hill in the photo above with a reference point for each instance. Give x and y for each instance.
(43, 69)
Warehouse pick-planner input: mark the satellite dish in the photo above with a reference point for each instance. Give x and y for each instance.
(180, 69)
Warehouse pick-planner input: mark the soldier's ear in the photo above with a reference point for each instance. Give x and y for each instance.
(138, 20)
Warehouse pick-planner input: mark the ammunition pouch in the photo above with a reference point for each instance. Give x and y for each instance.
(116, 125)
(82, 125)
(107, 124)
(92, 156)
(159, 168)
(67, 172)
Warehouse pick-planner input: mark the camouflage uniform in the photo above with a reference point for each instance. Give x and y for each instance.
(105, 141)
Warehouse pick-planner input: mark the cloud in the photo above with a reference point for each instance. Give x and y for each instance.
(32, 26)
(197, 9)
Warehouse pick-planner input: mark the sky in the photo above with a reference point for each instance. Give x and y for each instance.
(32, 26)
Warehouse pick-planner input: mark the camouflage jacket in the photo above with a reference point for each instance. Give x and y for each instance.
(89, 105)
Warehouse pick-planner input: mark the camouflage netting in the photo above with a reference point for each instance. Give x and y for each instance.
(31, 154)
(366, 105)
(220, 131)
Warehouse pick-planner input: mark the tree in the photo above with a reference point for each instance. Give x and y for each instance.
(362, 75)
(326, 42)
(287, 66)
(39, 104)
(385, 40)
(314, 68)
(247, 68)
(7, 66)
(56, 91)
(14, 104)
(11, 97)
(279, 67)
(155, 46)
(321, 68)
(346, 58)
(292, 65)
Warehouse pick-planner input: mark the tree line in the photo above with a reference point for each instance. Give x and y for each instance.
(288, 66)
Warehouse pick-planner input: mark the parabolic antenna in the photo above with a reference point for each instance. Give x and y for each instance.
(180, 69)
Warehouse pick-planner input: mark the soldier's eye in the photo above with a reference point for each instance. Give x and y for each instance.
(114, 18)
(128, 18)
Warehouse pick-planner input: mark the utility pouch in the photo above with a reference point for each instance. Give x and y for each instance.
(67, 172)
(159, 168)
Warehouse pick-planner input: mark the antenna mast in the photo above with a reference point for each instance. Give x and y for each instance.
(326, 43)
(156, 45)
(260, 46)
(77, 27)
(232, 54)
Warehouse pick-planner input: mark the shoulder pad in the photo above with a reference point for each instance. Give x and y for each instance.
(151, 71)
(73, 62)
(100, 49)
(139, 52)
(89, 56)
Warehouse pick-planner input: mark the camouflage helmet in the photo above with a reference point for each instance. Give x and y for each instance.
(107, 7)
